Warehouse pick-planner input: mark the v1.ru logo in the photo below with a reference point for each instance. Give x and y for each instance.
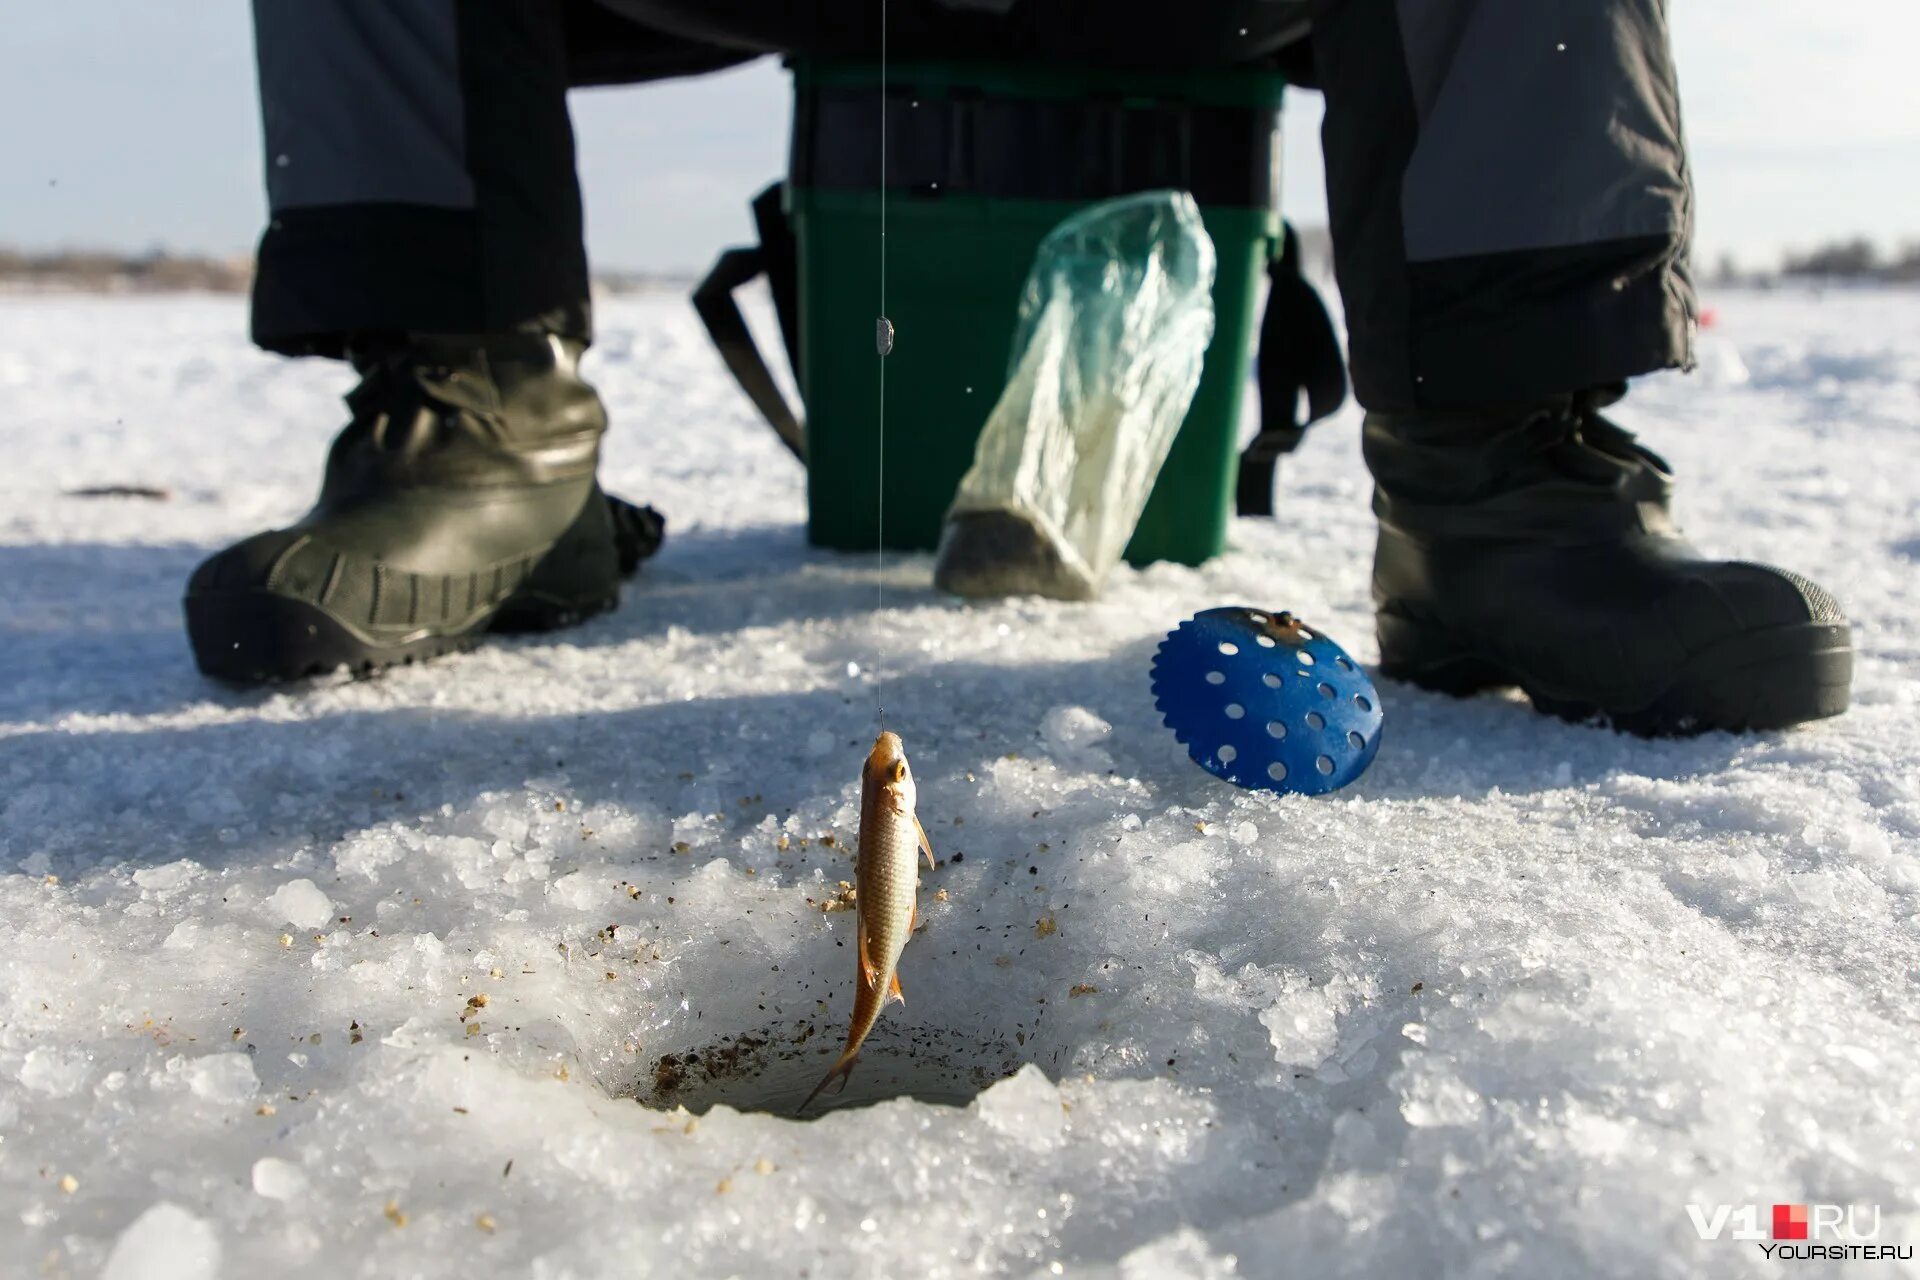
(1790, 1222)
(1845, 1226)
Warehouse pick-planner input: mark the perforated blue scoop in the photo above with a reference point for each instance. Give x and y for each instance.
(1263, 701)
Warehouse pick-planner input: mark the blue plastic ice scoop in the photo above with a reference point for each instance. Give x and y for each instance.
(1263, 701)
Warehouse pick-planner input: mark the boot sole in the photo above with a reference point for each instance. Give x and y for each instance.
(257, 637)
(1771, 679)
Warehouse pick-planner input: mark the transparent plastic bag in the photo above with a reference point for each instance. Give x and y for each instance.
(1114, 324)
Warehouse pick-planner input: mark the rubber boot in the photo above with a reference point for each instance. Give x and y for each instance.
(460, 499)
(1532, 546)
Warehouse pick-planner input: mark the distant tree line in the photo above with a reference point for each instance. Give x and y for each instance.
(103, 271)
(1854, 259)
(157, 271)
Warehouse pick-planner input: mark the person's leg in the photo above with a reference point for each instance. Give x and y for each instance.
(426, 224)
(419, 172)
(1510, 209)
(1509, 195)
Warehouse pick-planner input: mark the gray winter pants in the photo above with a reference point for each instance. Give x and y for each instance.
(1507, 182)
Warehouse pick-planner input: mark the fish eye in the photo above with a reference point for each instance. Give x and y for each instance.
(899, 770)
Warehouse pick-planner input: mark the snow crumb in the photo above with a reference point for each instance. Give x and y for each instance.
(1025, 1106)
(221, 1077)
(53, 1071)
(165, 1243)
(301, 904)
(162, 879)
(278, 1179)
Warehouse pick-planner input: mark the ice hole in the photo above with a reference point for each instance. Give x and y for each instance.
(1324, 764)
(1234, 710)
(1315, 720)
(774, 1068)
(1228, 753)
(1229, 648)
(1216, 677)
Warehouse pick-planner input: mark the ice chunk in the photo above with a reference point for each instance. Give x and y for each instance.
(1025, 1106)
(278, 1179)
(222, 1077)
(1303, 1026)
(1114, 324)
(164, 1243)
(580, 890)
(1183, 1253)
(61, 1073)
(161, 879)
(300, 903)
(1075, 733)
(1432, 1095)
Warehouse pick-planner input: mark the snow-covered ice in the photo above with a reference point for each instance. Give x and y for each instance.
(412, 975)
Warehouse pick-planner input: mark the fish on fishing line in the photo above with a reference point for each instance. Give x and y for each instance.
(887, 881)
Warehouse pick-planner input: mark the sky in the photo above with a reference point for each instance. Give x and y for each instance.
(128, 125)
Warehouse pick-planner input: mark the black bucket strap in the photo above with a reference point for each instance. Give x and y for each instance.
(774, 257)
(1299, 353)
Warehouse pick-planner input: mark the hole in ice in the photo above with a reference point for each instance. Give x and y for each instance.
(1355, 740)
(1229, 648)
(774, 1068)
(1326, 690)
(1216, 677)
(1276, 729)
(1360, 701)
(1315, 720)
(1324, 764)
(1277, 771)
(1235, 711)
(1270, 680)
(1228, 754)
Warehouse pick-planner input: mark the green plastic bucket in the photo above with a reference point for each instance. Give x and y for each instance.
(983, 161)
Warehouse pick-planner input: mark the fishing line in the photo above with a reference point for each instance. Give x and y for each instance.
(883, 342)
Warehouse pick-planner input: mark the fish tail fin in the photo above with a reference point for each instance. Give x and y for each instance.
(842, 1068)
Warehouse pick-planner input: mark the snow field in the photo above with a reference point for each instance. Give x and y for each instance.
(411, 975)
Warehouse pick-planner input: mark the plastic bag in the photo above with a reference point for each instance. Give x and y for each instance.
(1114, 324)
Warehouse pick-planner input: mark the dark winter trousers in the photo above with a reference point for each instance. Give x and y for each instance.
(1506, 179)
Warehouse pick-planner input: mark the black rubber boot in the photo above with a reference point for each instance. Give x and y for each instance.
(460, 499)
(1531, 545)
